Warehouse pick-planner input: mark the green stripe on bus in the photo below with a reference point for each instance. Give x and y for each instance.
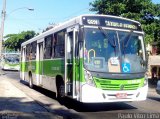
(50, 67)
(119, 84)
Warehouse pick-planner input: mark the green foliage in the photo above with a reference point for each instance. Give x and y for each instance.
(14, 41)
(114, 7)
(136, 10)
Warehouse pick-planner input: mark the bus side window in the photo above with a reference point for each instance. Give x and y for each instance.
(48, 47)
(59, 44)
(33, 50)
(28, 47)
(53, 46)
(70, 45)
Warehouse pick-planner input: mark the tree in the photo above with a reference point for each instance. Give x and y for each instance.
(143, 11)
(14, 41)
(111, 7)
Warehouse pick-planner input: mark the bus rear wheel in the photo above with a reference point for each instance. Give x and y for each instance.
(30, 81)
(60, 90)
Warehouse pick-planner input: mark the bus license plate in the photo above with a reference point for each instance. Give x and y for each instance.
(121, 95)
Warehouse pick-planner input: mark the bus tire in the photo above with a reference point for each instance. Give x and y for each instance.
(30, 81)
(60, 88)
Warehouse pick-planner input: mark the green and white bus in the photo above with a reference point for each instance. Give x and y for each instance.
(10, 61)
(90, 58)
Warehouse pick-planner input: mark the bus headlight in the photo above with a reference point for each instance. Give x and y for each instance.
(145, 80)
(88, 77)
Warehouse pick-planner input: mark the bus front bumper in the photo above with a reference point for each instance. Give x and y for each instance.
(92, 94)
(6, 67)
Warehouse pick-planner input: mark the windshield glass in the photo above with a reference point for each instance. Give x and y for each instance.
(12, 60)
(132, 52)
(113, 51)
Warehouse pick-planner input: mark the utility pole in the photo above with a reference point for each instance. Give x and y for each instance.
(3, 15)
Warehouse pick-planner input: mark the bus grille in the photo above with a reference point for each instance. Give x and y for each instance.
(107, 85)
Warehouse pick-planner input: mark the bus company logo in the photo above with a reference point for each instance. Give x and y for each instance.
(121, 87)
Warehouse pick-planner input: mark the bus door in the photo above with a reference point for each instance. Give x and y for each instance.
(40, 70)
(70, 62)
(23, 60)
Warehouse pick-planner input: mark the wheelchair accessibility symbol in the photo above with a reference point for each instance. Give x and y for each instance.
(126, 67)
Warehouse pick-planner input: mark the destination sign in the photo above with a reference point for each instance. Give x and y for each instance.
(122, 25)
(111, 22)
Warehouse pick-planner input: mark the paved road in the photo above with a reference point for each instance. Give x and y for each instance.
(16, 104)
(44, 101)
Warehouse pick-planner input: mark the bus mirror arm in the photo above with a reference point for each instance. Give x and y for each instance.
(144, 62)
(94, 54)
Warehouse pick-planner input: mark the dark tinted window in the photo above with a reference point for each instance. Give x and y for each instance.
(59, 44)
(28, 48)
(33, 50)
(48, 47)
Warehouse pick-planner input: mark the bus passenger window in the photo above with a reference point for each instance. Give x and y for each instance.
(48, 47)
(28, 48)
(59, 45)
(33, 51)
(53, 46)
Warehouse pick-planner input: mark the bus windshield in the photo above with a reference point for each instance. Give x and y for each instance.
(113, 51)
(12, 60)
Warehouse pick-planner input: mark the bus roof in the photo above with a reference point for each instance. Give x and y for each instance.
(11, 53)
(71, 22)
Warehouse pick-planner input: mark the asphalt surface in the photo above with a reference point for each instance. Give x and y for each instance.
(14, 103)
(16, 98)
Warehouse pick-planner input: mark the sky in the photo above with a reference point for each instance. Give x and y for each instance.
(19, 18)
(46, 12)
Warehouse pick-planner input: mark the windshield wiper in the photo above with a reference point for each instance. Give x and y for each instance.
(105, 34)
(128, 39)
(127, 42)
